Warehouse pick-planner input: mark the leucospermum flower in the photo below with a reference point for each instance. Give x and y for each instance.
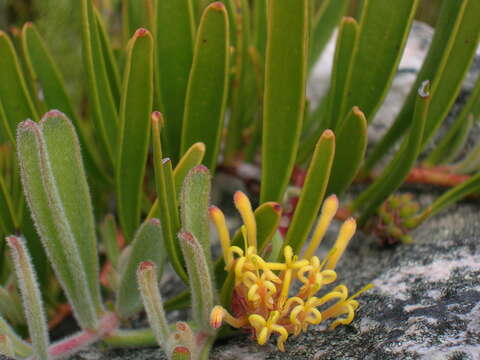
(262, 301)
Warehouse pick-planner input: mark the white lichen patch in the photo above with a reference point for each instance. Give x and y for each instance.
(396, 282)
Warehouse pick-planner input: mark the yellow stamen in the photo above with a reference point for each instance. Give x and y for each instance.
(244, 207)
(329, 209)
(219, 221)
(347, 231)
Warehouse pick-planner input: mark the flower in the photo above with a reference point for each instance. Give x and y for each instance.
(262, 288)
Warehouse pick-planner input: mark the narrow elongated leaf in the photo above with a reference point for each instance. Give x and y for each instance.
(136, 14)
(100, 94)
(111, 67)
(168, 224)
(452, 144)
(148, 284)
(384, 27)
(284, 98)
(51, 219)
(446, 85)
(136, 107)
(207, 87)
(174, 34)
(108, 234)
(446, 31)
(192, 157)
(195, 199)
(65, 163)
(239, 11)
(349, 153)
(147, 246)
(313, 191)
(324, 22)
(8, 221)
(342, 68)
(453, 195)
(14, 97)
(32, 299)
(45, 71)
(260, 26)
(396, 171)
(201, 285)
(21, 347)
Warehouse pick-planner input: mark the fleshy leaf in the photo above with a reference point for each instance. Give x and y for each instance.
(201, 285)
(32, 299)
(208, 84)
(146, 246)
(284, 97)
(135, 110)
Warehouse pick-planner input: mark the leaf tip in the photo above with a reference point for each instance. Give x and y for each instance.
(146, 266)
(217, 5)
(157, 119)
(141, 32)
(328, 134)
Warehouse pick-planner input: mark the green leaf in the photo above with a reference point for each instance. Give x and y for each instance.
(32, 299)
(65, 163)
(14, 97)
(446, 85)
(136, 14)
(164, 207)
(447, 30)
(147, 246)
(148, 285)
(44, 70)
(324, 22)
(100, 92)
(57, 195)
(313, 191)
(350, 151)
(208, 84)
(108, 234)
(397, 170)
(135, 110)
(284, 98)
(194, 203)
(260, 26)
(174, 34)
(341, 75)
(452, 144)
(8, 219)
(21, 347)
(192, 157)
(111, 66)
(455, 194)
(240, 94)
(383, 29)
(200, 281)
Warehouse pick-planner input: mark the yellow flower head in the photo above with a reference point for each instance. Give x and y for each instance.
(262, 300)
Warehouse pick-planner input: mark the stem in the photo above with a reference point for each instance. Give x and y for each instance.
(435, 176)
(108, 323)
(131, 338)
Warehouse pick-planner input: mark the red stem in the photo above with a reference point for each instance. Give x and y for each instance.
(72, 344)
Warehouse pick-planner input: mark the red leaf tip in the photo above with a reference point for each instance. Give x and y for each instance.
(141, 32)
(181, 350)
(146, 266)
(218, 5)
